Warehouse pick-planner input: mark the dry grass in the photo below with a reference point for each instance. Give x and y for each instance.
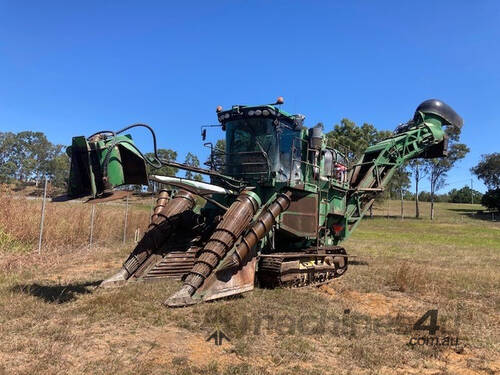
(408, 277)
(52, 320)
(66, 224)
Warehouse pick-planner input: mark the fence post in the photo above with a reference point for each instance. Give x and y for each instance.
(137, 235)
(42, 218)
(91, 227)
(151, 210)
(402, 206)
(125, 223)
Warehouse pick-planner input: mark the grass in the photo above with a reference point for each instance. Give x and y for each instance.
(66, 224)
(53, 320)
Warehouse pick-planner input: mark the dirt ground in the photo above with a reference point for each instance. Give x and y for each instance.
(54, 320)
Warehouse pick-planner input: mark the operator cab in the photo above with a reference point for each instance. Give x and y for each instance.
(262, 143)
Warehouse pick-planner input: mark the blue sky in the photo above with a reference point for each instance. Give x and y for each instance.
(72, 68)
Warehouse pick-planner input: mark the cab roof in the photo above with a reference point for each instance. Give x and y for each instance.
(259, 111)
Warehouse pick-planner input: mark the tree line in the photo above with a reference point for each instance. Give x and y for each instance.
(29, 156)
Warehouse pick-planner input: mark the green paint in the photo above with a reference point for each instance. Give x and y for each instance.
(125, 165)
(270, 151)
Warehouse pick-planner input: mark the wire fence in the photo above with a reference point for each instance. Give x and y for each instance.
(38, 224)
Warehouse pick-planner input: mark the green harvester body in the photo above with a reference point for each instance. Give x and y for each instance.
(279, 202)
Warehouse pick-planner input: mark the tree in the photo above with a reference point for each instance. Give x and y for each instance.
(437, 169)
(399, 184)
(33, 154)
(491, 199)
(219, 157)
(59, 171)
(488, 170)
(26, 156)
(8, 167)
(165, 155)
(464, 195)
(193, 161)
(355, 138)
(418, 174)
(425, 196)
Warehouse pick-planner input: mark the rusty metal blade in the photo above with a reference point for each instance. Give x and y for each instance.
(228, 282)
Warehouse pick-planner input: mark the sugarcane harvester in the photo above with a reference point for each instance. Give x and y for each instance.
(279, 202)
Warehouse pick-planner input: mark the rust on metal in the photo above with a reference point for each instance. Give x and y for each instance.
(302, 216)
(234, 221)
(163, 224)
(160, 229)
(259, 229)
(161, 202)
(299, 270)
(174, 265)
(229, 282)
